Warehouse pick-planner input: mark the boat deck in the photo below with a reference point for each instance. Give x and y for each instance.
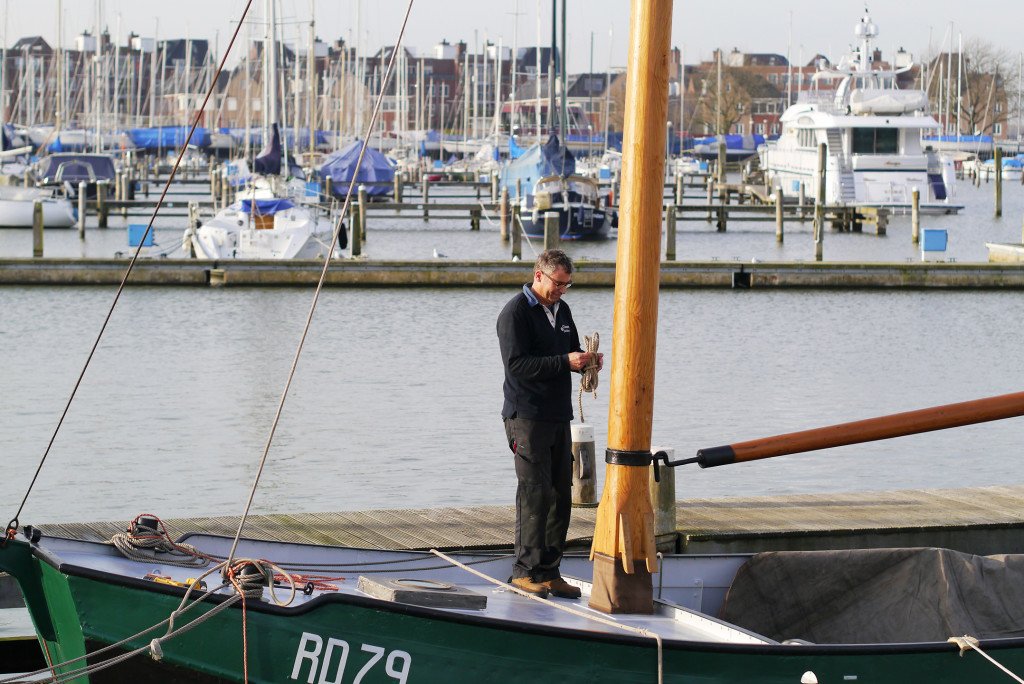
(427, 580)
(980, 520)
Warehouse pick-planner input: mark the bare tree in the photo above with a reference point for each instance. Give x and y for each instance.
(986, 96)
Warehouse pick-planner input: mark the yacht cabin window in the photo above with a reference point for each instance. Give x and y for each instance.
(875, 141)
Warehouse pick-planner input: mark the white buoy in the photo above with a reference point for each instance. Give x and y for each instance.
(809, 678)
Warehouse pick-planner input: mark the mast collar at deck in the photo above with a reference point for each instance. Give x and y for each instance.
(628, 458)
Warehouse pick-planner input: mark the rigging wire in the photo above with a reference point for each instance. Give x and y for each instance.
(320, 282)
(12, 526)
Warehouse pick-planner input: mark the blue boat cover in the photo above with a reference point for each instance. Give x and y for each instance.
(549, 159)
(514, 150)
(375, 168)
(268, 161)
(732, 142)
(959, 138)
(77, 167)
(168, 137)
(266, 207)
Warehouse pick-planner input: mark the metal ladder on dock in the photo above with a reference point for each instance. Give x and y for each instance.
(847, 191)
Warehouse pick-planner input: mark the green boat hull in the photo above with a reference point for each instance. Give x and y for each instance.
(349, 641)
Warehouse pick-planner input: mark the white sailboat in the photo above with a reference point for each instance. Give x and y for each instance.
(269, 219)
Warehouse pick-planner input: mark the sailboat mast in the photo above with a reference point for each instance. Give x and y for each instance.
(271, 38)
(311, 78)
(623, 550)
(563, 84)
(551, 66)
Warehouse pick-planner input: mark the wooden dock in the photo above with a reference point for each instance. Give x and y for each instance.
(982, 520)
(456, 273)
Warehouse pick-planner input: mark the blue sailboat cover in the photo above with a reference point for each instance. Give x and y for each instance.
(266, 207)
(538, 161)
(375, 168)
(268, 161)
(169, 137)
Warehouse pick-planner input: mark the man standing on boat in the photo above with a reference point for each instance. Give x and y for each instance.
(539, 349)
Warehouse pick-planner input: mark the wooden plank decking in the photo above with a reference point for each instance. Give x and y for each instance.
(979, 520)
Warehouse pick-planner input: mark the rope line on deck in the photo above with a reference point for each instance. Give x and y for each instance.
(967, 643)
(568, 609)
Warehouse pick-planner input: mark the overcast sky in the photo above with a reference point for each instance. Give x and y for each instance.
(697, 28)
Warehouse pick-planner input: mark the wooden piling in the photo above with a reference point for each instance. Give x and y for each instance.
(474, 218)
(356, 238)
(214, 185)
(81, 209)
(101, 203)
(584, 478)
(663, 495)
(720, 169)
(494, 186)
(328, 191)
(37, 229)
(711, 195)
(723, 217)
(802, 198)
(915, 216)
(819, 206)
(517, 233)
(551, 230)
(122, 191)
(225, 189)
(779, 230)
(503, 209)
(362, 211)
(679, 188)
(670, 232)
(425, 192)
(998, 171)
(398, 187)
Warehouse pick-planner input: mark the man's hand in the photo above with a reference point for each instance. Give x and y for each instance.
(579, 360)
(600, 361)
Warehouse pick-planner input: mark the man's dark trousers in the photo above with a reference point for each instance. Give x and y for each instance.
(543, 455)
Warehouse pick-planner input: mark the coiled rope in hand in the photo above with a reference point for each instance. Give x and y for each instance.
(588, 379)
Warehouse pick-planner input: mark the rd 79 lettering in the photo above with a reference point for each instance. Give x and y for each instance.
(331, 659)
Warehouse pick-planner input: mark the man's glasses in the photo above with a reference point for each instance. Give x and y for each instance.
(561, 284)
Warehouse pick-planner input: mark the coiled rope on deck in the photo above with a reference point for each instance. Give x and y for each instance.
(588, 379)
(141, 543)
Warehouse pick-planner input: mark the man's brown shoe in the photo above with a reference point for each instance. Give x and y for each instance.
(562, 589)
(531, 587)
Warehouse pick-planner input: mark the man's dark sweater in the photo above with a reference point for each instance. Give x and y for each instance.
(538, 384)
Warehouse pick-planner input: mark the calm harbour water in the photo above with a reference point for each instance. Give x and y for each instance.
(396, 400)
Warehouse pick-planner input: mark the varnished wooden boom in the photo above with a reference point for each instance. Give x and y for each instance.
(868, 430)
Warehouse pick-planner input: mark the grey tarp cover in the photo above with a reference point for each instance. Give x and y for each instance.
(878, 595)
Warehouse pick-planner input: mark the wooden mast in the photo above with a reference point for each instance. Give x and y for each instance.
(623, 550)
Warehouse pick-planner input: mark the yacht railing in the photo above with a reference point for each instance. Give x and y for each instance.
(824, 101)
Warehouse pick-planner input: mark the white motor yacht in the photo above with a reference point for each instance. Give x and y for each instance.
(873, 133)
